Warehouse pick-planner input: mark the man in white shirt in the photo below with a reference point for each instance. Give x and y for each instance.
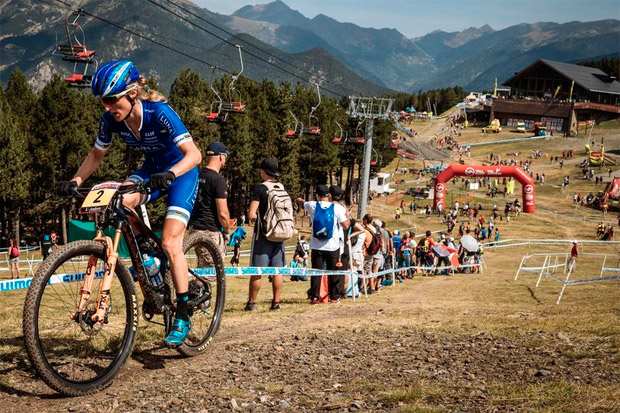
(325, 242)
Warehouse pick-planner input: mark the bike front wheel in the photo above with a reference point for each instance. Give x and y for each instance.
(72, 355)
(207, 292)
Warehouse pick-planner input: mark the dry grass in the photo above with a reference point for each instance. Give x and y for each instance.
(464, 305)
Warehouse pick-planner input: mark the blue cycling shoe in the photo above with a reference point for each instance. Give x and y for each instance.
(178, 332)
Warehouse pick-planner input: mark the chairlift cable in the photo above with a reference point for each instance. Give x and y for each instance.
(233, 44)
(258, 48)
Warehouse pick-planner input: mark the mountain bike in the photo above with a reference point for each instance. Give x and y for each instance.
(81, 310)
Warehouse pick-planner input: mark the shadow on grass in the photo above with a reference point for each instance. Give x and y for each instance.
(533, 295)
(15, 361)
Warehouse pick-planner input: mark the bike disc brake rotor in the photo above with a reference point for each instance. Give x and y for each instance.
(84, 319)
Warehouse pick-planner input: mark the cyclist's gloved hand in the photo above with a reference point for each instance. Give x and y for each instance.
(66, 188)
(162, 180)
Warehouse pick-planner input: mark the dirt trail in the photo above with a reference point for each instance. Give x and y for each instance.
(407, 346)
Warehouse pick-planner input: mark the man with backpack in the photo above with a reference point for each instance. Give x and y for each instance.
(326, 218)
(271, 210)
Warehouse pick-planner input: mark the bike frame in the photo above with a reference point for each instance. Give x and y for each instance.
(126, 224)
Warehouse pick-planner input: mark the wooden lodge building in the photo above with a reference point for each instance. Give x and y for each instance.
(542, 92)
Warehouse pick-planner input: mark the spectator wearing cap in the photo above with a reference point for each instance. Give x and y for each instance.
(210, 215)
(265, 253)
(324, 252)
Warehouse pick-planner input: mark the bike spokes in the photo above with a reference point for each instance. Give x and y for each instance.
(70, 350)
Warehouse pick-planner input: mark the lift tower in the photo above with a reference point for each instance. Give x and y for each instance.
(369, 109)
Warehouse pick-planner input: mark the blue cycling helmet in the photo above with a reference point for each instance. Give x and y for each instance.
(113, 78)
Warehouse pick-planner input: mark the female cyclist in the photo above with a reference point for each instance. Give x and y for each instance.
(143, 119)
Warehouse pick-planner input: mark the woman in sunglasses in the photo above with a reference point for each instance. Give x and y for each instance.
(143, 119)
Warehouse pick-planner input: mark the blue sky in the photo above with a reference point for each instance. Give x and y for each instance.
(416, 18)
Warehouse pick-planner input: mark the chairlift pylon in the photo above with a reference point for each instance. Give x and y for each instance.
(75, 51)
(313, 129)
(234, 103)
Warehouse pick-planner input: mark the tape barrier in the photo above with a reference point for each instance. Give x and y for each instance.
(22, 249)
(24, 283)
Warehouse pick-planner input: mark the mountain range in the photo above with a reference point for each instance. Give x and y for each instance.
(283, 45)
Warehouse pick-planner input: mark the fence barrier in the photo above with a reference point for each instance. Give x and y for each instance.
(561, 260)
(24, 283)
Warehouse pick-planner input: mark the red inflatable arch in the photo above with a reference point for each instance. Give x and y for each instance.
(479, 171)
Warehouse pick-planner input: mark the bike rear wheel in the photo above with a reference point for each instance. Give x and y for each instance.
(205, 261)
(73, 357)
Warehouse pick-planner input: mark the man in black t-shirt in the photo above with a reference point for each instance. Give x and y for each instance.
(211, 214)
(265, 253)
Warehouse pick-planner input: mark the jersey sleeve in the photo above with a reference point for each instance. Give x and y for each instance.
(104, 138)
(175, 128)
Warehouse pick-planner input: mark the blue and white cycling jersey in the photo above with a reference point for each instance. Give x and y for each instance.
(161, 133)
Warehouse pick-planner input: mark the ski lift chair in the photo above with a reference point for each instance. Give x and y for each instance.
(234, 103)
(296, 131)
(342, 137)
(79, 80)
(75, 49)
(314, 129)
(215, 116)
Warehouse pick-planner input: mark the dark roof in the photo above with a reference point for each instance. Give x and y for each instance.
(525, 107)
(590, 78)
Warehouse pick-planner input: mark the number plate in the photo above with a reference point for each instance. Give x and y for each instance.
(99, 197)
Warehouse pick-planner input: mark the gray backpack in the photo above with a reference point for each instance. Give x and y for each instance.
(278, 222)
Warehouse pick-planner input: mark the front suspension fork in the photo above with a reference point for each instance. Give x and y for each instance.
(85, 292)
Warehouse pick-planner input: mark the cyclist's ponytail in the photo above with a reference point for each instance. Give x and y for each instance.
(146, 93)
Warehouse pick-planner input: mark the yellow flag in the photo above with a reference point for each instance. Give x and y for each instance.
(557, 90)
(570, 95)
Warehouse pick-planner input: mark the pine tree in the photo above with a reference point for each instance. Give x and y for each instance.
(14, 162)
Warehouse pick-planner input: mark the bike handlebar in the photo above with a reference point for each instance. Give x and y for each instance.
(144, 187)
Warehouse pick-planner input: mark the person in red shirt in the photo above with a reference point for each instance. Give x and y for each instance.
(574, 255)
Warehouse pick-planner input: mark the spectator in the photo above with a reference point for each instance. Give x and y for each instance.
(325, 251)
(574, 255)
(356, 240)
(13, 254)
(265, 253)
(234, 260)
(424, 251)
(296, 262)
(211, 215)
(335, 195)
(387, 246)
(47, 246)
(372, 261)
(302, 249)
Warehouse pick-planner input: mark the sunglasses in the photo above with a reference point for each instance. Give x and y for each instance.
(110, 100)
